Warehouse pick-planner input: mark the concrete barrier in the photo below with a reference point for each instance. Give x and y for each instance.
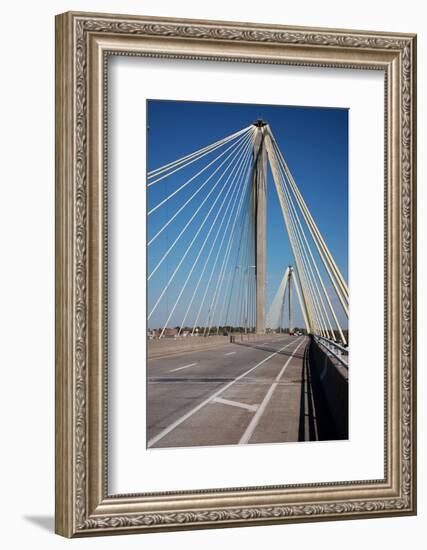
(170, 346)
(332, 378)
(244, 338)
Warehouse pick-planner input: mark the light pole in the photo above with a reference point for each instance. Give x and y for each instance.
(247, 296)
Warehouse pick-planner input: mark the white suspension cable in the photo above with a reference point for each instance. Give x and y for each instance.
(301, 302)
(314, 289)
(196, 155)
(181, 208)
(290, 200)
(312, 223)
(214, 265)
(245, 262)
(186, 253)
(198, 255)
(228, 289)
(221, 275)
(220, 280)
(315, 233)
(338, 291)
(233, 146)
(231, 202)
(314, 322)
(243, 269)
(274, 151)
(299, 266)
(324, 318)
(227, 252)
(274, 310)
(184, 166)
(183, 230)
(236, 267)
(305, 272)
(209, 256)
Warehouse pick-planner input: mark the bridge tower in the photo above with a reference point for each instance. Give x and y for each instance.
(289, 276)
(259, 202)
(291, 272)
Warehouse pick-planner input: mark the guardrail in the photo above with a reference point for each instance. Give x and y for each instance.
(334, 349)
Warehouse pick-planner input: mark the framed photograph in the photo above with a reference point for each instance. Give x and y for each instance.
(235, 274)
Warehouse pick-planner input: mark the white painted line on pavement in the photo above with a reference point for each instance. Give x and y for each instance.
(254, 422)
(184, 367)
(252, 408)
(231, 353)
(180, 420)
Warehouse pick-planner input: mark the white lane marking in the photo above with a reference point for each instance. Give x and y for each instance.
(254, 422)
(180, 420)
(184, 367)
(252, 408)
(231, 353)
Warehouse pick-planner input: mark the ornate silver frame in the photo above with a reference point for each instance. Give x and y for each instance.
(83, 505)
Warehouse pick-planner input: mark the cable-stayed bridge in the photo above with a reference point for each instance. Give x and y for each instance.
(207, 313)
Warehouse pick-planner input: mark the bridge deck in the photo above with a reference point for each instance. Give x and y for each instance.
(260, 392)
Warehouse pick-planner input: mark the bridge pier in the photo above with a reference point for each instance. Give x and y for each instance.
(259, 202)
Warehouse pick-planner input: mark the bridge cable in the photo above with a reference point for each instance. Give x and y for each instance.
(197, 155)
(344, 305)
(274, 310)
(180, 210)
(187, 249)
(224, 263)
(322, 313)
(235, 271)
(200, 252)
(215, 262)
(222, 271)
(314, 321)
(234, 159)
(301, 302)
(290, 200)
(300, 231)
(315, 233)
(233, 147)
(232, 202)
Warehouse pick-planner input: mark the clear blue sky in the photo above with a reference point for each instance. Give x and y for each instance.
(314, 143)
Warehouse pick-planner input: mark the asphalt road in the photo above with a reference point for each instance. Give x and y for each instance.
(257, 392)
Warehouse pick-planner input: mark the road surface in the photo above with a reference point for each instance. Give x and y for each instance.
(256, 392)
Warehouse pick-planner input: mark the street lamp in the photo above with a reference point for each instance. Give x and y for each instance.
(247, 297)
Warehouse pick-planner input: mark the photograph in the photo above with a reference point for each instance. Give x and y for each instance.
(247, 273)
(221, 188)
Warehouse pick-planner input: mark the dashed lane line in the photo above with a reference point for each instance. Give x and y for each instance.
(184, 367)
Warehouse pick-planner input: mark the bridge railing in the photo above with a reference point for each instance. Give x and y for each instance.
(340, 353)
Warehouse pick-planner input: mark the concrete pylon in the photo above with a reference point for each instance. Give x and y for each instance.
(259, 202)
